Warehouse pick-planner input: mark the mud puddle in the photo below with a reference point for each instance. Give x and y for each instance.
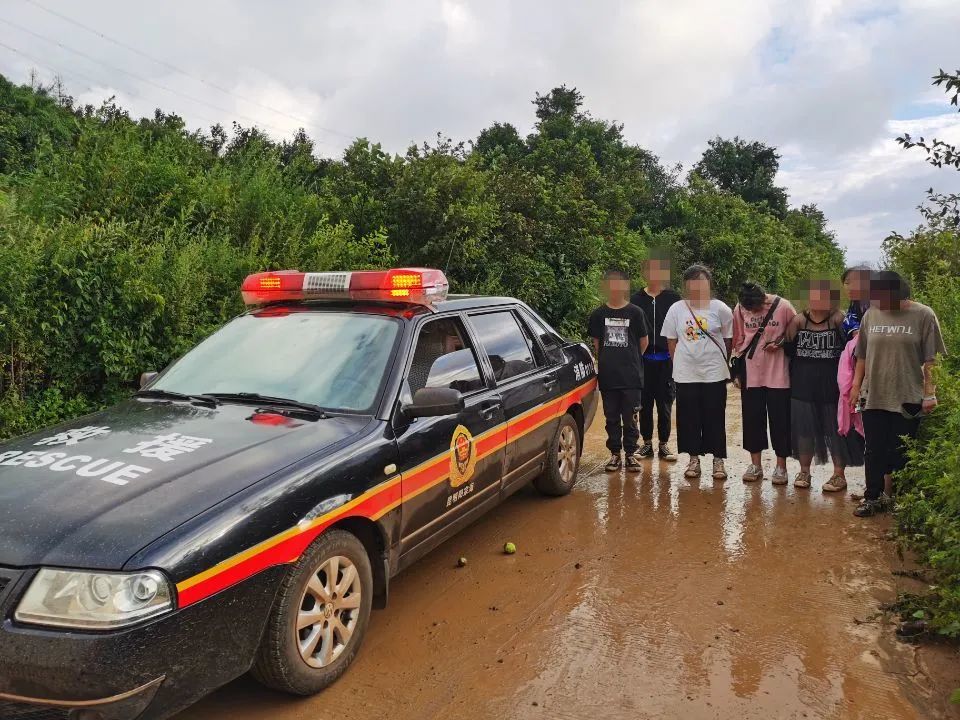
(639, 596)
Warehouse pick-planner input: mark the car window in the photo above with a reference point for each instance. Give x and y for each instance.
(551, 341)
(337, 360)
(504, 343)
(539, 358)
(443, 358)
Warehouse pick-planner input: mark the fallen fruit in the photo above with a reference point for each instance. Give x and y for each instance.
(509, 548)
(462, 562)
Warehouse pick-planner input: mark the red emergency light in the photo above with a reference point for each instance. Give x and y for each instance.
(421, 286)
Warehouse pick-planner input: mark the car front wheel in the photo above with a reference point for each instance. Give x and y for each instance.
(319, 617)
(563, 461)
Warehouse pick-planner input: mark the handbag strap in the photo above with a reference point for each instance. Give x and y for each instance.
(752, 347)
(706, 333)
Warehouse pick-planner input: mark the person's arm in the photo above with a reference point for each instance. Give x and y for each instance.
(929, 402)
(596, 348)
(645, 332)
(787, 313)
(858, 375)
(672, 347)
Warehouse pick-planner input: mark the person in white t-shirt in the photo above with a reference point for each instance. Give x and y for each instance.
(699, 330)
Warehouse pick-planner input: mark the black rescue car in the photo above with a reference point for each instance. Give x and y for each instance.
(246, 509)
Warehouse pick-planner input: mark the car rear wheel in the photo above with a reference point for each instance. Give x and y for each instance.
(564, 461)
(319, 617)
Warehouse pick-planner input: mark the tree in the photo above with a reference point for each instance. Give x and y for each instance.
(559, 102)
(747, 169)
(941, 209)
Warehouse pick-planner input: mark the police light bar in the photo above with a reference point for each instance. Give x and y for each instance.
(421, 286)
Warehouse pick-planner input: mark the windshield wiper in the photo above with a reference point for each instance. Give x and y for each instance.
(248, 397)
(208, 400)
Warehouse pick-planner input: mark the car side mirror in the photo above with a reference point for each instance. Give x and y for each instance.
(146, 378)
(435, 402)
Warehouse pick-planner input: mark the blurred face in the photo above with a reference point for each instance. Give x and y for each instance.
(616, 289)
(698, 290)
(820, 297)
(657, 272)
(883, 297)
(857, 285)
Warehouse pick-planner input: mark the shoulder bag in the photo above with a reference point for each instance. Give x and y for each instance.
(738, 363)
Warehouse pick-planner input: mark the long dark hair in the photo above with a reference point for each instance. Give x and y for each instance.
(751, 296)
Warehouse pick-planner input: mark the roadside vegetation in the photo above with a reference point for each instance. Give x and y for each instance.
(123, 241)
(928, 504)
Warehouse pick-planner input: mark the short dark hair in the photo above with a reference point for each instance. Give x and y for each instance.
(892, 282)
(863, 267)
(752, 295)
(696, 272)
(616, 273)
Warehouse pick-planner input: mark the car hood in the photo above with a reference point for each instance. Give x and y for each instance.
(92, 492)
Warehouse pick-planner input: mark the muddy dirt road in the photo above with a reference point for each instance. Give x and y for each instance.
(639, 596)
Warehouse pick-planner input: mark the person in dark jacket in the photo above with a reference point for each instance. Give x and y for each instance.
(658, 390)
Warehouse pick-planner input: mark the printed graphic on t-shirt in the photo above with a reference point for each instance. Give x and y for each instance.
(818, 344)
(616, 332)
(695, 333)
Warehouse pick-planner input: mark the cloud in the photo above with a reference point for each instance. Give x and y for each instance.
(826, 81)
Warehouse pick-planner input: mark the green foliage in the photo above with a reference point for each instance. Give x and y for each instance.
(928, 506)
(747, 169)
(124, 241)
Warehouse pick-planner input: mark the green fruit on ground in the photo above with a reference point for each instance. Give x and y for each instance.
(509, 548)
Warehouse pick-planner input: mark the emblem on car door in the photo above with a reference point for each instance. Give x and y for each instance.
(463, 456)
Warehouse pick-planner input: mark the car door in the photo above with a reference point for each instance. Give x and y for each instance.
(451, 465)
(527, 381)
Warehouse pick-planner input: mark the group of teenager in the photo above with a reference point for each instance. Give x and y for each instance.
(822, 385)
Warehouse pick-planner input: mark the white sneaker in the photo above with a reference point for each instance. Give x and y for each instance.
(779, 476)
(753, 473)
(693, 468)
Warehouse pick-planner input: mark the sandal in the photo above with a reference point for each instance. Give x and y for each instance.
(802, 480)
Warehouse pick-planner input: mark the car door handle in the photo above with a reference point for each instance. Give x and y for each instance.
(489, 408)
(549, 381)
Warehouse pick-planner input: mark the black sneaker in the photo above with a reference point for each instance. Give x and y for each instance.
(645, 451)
(869, 508)
(665, 454)
(634, 464)
(614, 463)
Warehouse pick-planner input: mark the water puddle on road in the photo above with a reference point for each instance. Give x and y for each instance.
(638, 596)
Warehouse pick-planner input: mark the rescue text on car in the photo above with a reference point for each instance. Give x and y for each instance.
(247, 508)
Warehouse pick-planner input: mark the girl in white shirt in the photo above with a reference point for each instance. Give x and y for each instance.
(699, 330)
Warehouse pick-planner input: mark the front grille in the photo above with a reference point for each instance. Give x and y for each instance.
(24, 711)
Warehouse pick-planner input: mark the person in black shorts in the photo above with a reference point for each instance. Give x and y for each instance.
(620, 337)
(658, 389)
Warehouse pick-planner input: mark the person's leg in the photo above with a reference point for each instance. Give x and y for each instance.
(754, 420)
(689, 425)
(714, 425)
(903, 429)
(612, 400)
(802, 439)
(629, 408)
(876, 433)
(664, 399)
(647, 401)
(778, 415)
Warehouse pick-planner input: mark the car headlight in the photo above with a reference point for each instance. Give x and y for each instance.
(94, 600)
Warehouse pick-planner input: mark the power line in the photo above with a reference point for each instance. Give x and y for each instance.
(173, 67)
(139, 78)
(76, 75)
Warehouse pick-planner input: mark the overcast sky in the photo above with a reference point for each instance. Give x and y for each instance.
(829, 82)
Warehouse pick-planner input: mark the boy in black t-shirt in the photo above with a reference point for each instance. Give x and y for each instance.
(620, 337)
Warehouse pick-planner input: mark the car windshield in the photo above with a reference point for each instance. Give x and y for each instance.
(336, 360)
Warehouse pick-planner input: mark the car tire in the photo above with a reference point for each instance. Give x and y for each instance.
(563, 463)
(307, 593)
